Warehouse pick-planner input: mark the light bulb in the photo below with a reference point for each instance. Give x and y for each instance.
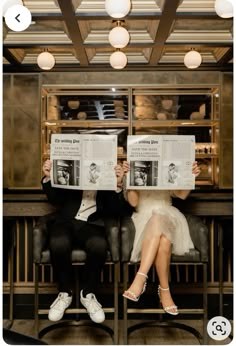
(118, 60)
(117, 8)
(224, 8)
(192, 59)
(46, 61)
(119, 37)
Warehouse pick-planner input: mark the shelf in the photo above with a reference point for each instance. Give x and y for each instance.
(119, 156)
(86, 123)
(122, 157)
(206, 156)
(173, 123)
(125, 123)
(203, 183)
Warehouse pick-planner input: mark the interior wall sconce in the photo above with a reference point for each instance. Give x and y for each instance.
(192, 59)
(117, 8)
(46, 61)
(118, 60)
(119, 36)
(224, 8)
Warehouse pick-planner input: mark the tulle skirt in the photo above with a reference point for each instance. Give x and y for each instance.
(158, 216)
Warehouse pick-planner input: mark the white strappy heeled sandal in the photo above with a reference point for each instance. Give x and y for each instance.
(131, 295)
(167, 309)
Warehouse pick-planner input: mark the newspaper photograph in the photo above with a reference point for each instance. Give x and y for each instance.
(162, 162)
(83, 162)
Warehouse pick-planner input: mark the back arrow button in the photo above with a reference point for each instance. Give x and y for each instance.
(17, 18)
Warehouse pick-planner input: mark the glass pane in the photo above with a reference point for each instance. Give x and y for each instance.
(202, 134)
(171, 107)
(206, 171)
(87, 107)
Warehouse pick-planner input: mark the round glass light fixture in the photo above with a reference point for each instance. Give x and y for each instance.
(117, 8)
(119, 37)
(9, 3)
(224, 8)
(46, 61)
(192, 59)
(118, 60)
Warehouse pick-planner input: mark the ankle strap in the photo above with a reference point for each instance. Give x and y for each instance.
(140, 273)
(163, 289)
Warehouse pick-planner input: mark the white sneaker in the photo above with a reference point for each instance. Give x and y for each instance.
(93, 307)
(59, 306)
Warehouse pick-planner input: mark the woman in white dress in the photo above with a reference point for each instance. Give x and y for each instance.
(161, 229)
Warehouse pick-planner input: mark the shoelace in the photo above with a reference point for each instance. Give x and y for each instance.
(94, 305)
(61, 304)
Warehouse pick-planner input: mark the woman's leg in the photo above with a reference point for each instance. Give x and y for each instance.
(149, 252)
(162, 264)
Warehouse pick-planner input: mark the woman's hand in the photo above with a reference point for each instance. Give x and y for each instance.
(47, 168)
(196, 169)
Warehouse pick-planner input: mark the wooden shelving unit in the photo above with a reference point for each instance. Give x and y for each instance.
(138, 111)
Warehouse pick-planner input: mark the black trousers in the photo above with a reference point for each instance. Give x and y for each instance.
(65, 235)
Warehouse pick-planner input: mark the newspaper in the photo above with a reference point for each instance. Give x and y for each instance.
(162, 162)
(83, 162)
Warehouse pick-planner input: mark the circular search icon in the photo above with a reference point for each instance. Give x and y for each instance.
(219, 328)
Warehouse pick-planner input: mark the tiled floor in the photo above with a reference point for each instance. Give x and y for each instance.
(95, 336)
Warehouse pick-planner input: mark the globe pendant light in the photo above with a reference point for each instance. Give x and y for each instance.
(192, 59)
(119, 36)
(117, 8)
(224, 8)
(46, 61)
(118, 60)
(9, 3)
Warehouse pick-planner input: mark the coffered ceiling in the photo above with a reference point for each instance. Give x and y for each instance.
(161, 33)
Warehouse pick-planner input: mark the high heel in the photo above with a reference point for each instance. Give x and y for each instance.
(131, 295)
(167, 309)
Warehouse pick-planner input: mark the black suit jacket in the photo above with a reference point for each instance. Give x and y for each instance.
(109, 203)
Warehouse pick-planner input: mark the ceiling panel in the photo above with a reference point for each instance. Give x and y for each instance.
(161, 33)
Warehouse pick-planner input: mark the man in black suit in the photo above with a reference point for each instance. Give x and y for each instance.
(80, 221)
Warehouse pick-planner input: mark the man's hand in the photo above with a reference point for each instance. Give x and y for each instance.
(47, 168)
(126, 167)
(119, 171)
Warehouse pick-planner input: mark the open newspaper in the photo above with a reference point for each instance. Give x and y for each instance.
(83, 162)
(161, 162)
